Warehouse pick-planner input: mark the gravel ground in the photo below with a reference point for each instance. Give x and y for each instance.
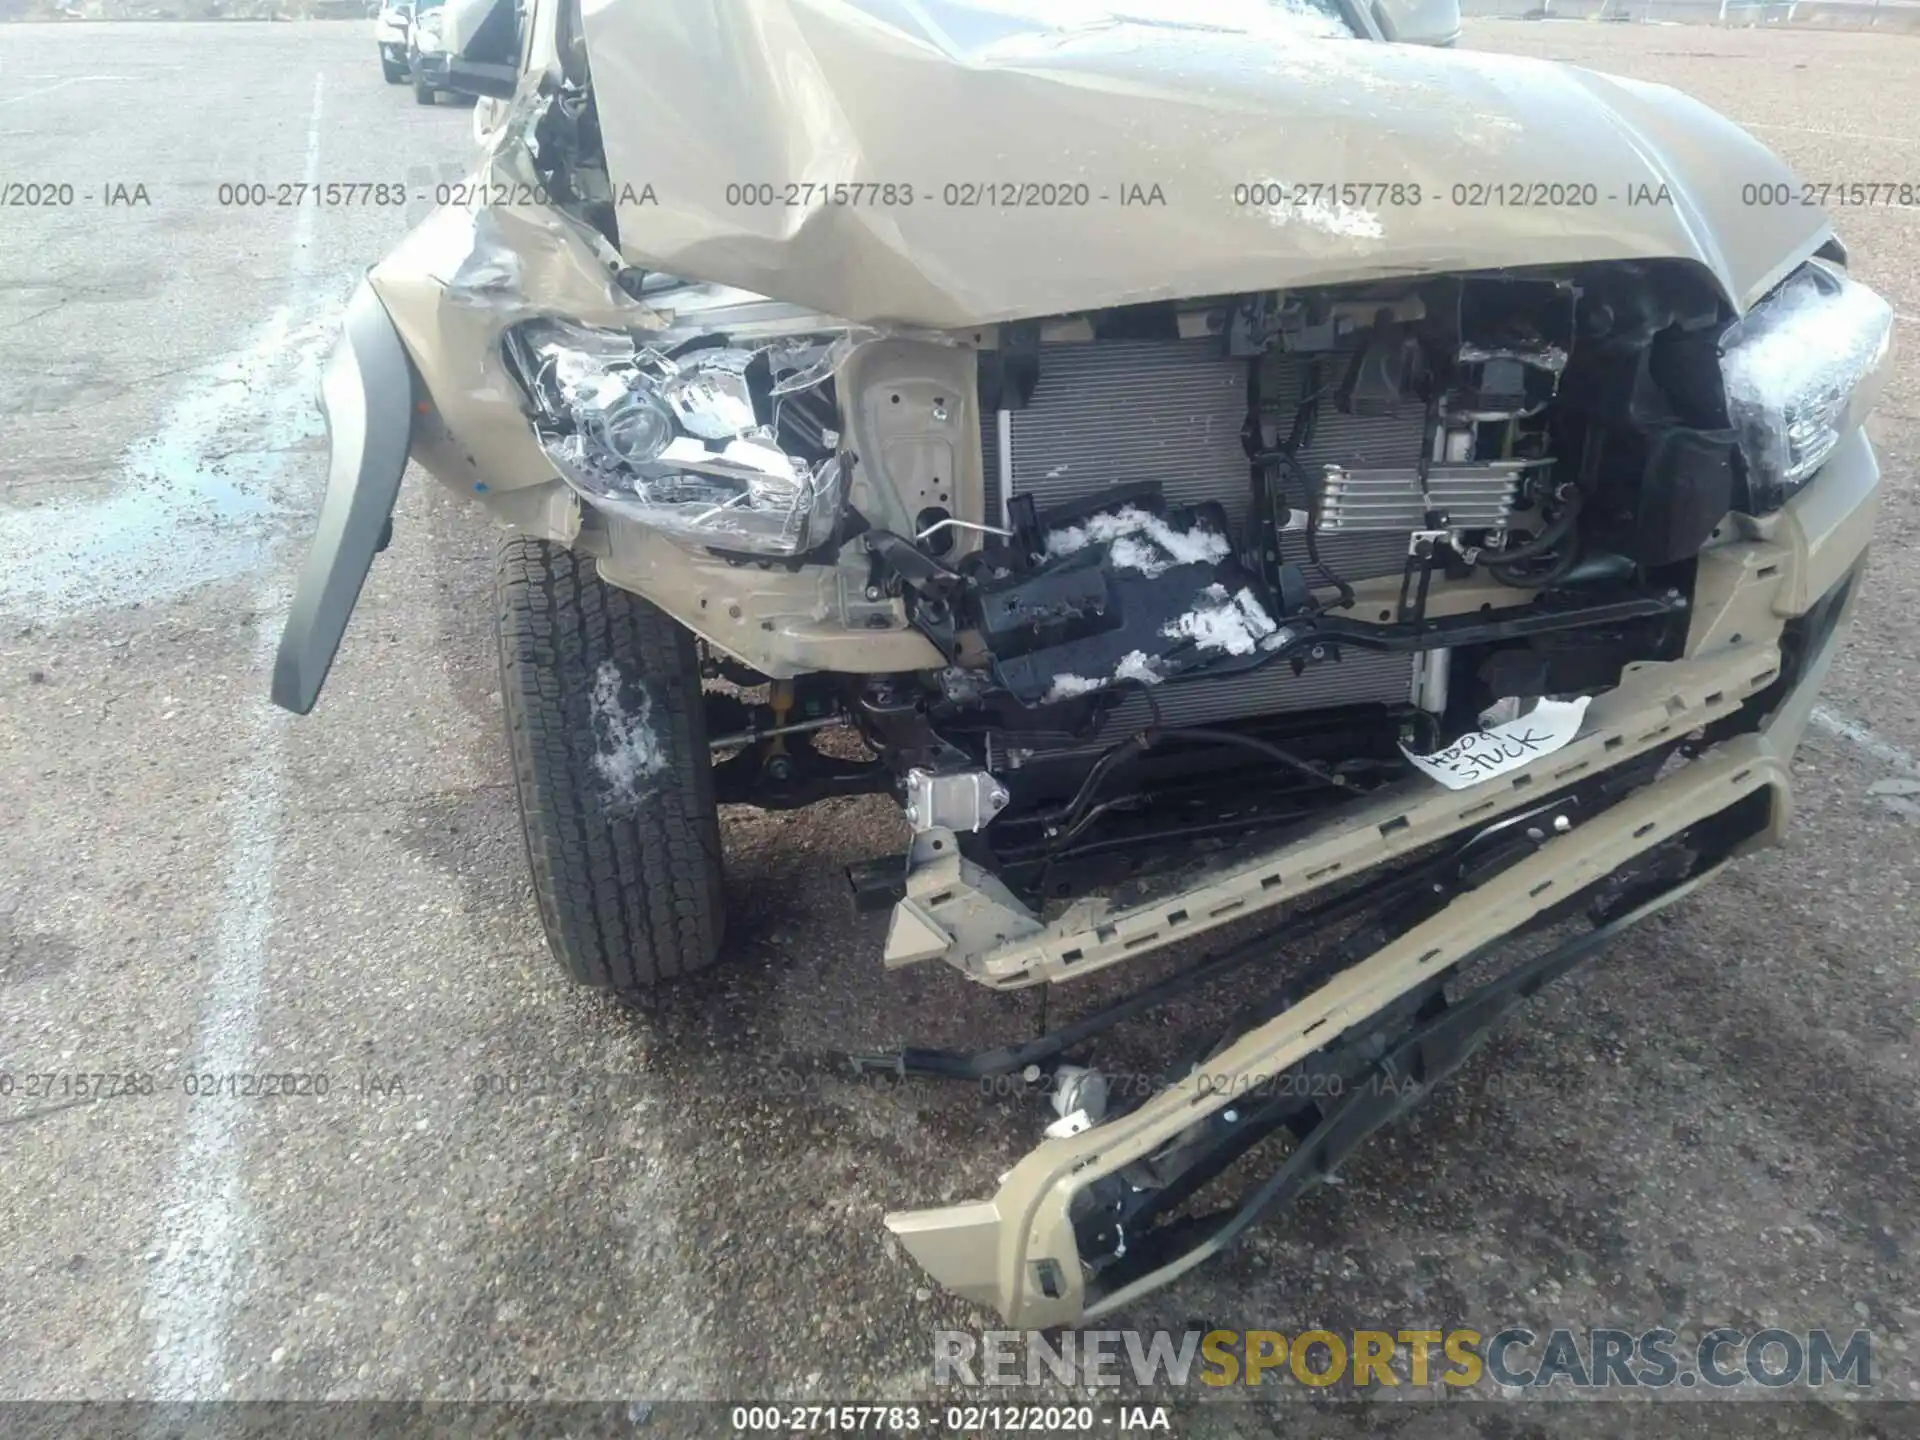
(512, 1190)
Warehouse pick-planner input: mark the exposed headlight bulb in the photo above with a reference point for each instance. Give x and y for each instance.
(676, 442)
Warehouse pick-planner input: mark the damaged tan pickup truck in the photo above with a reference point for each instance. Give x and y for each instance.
(1211, 465)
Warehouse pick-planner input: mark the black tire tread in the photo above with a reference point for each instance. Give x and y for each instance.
(628, 900)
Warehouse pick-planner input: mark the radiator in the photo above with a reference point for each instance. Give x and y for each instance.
(1129, 412)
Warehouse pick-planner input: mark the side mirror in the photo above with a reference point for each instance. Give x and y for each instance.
(1418, 22)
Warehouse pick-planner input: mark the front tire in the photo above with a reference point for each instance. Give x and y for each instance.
(392, 71)
(422, 91)
(607, 732)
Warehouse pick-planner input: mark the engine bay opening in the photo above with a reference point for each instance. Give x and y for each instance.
(1239, 558)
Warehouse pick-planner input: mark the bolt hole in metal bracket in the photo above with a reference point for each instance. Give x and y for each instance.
(965, 800)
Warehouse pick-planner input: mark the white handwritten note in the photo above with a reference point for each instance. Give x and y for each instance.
(1482, 755)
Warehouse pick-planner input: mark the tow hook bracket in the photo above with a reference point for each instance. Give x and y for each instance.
(912, 935)
(953, 901)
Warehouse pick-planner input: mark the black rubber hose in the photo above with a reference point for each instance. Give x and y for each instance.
(1546, 579)
(1313, 771)
(1128, 748)
(1326, 571)
(1074, 818)
(1307, 497)
(1545, 541)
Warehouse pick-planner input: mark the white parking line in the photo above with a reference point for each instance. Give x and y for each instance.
(1881, 750)
(59, 85)
(204, 1226)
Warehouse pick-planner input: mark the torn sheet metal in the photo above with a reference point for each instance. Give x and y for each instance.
(951, 165)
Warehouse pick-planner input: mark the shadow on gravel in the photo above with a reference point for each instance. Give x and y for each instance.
(32, 954)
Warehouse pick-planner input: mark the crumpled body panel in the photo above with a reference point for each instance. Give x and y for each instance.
(465, 275)
(1033, 147)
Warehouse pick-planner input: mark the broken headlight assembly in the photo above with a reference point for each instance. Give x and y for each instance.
(735, 449)
(1802, 369)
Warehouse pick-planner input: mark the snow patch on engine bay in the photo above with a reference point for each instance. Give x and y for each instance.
(1237, 624)
(1137, 540)
(1135, 667)
(627, 753)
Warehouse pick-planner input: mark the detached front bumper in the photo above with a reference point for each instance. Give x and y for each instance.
(1018, 1253)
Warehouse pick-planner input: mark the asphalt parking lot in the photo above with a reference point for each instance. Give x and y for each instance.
(512, 1190)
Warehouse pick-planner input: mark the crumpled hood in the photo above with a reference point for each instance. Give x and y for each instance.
(952, 100)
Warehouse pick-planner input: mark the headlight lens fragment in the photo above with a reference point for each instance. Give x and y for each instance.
(1801, 370)
(687, 443)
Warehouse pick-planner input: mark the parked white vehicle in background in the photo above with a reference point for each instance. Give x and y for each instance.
(390, 31)
(426, 51)
(468, 47)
